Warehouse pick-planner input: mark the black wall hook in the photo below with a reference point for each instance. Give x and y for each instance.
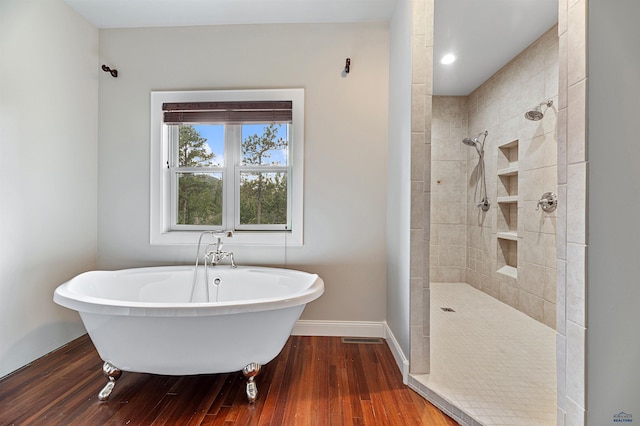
(347, 66)
(114, 73)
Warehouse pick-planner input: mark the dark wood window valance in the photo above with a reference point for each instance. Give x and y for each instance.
(228, 112)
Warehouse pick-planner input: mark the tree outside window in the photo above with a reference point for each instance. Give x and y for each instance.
(263, 193)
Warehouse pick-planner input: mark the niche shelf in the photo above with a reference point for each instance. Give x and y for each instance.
(509, 271)
(508, 155)
(508, 199)
(512, 170)
(508, 235)
(508, 257)
(507, 217)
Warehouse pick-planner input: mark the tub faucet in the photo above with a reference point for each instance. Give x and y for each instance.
(218, 255)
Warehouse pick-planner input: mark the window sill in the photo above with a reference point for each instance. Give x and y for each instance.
(240, 238)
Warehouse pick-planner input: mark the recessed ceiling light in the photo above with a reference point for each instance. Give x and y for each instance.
(447, 59)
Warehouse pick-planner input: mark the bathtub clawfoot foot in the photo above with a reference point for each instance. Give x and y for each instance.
(112, 373)
(250, 372)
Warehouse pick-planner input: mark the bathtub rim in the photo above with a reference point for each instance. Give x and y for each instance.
(63, 296)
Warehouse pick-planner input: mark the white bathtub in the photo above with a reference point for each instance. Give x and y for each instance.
(141, 320)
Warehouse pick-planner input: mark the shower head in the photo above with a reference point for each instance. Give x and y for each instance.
(536, 114)
(469, 141)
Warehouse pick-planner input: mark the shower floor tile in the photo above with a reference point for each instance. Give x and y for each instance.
(492, 362)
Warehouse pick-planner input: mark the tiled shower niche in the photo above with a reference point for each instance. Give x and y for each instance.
(507, 217)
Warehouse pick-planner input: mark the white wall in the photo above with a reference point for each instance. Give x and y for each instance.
(399, 163)
(48, 180)
(613, 290)
(345, 145)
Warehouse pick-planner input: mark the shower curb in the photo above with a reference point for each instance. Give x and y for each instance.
(441, 403)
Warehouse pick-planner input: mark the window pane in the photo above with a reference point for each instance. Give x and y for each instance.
(201, 145)
(199, 199)
(263, 198)
(265, 144)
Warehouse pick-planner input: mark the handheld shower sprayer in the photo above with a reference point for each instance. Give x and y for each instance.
(475, 142)
(481, 183)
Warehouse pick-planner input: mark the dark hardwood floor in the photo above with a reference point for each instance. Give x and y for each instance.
(314, 381)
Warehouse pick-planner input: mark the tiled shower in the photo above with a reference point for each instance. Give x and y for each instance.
(508, 252)
(569, 115)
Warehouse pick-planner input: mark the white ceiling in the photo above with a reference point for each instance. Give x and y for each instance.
(484, 34)
(159, 13)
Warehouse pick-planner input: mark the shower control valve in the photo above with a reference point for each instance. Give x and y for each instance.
(484, 205)
(548, 202)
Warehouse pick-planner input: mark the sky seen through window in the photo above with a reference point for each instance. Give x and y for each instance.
(214, 134)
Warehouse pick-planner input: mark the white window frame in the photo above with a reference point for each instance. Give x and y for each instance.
(160, 179)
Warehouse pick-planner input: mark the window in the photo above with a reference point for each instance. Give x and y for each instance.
(227, 160)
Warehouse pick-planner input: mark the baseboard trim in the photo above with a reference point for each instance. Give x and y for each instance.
(396, 351)
(339, 328)
(356, 329)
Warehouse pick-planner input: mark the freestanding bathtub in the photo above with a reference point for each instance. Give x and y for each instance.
(142, 320)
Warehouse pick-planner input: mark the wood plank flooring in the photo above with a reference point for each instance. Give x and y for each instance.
(314, 381)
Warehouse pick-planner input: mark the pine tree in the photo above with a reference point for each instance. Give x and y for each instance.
(191, 149)
(263, 189)
(199, 194)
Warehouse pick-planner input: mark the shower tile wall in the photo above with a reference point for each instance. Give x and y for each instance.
(498, 106)
(448, 190)
(421, 105)
(572, 218)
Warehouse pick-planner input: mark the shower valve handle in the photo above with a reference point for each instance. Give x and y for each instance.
(548, 202)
